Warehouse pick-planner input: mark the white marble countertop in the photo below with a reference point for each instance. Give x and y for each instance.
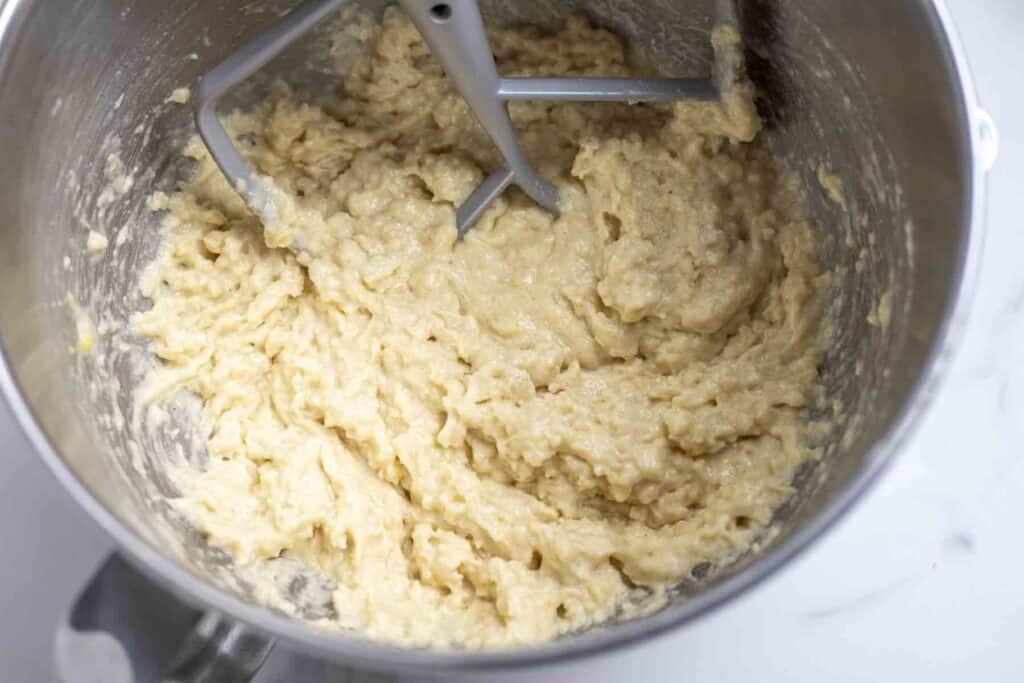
(921, 580)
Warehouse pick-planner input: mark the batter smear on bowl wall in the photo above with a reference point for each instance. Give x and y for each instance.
(496, 440)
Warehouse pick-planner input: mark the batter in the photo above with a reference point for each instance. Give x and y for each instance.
(491, 442)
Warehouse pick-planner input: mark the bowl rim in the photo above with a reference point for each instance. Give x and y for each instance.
(363, 653)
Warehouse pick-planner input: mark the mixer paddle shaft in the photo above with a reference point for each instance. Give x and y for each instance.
(454, 30)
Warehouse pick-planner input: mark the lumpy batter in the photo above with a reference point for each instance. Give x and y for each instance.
(491, 441)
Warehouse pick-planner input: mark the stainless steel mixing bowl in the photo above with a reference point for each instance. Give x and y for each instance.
(877, 91)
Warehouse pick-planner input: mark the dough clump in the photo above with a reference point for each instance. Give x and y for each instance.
(494, 441)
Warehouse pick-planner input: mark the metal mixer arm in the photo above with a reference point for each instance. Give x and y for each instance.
(455, 32)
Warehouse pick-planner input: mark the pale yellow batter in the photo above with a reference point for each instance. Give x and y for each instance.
(494, 441)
